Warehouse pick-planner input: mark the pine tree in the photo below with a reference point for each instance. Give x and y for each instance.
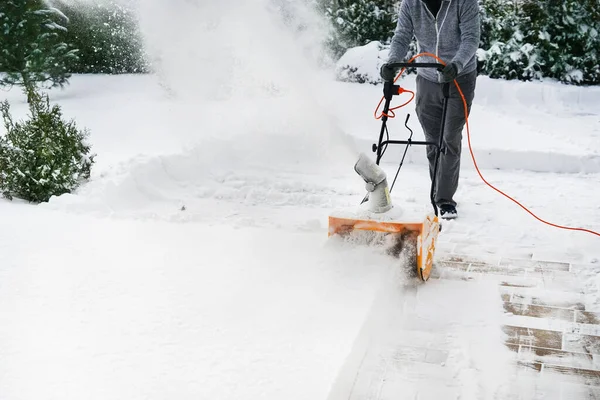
(32, 49)
(43, 156)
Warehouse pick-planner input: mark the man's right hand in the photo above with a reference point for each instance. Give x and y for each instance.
(388, 73)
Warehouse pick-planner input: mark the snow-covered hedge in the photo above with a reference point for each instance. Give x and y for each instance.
(524, 40)
(530, 39)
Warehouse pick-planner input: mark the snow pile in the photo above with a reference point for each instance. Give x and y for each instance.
(362, 64)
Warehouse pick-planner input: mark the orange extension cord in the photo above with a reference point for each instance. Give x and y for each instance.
(392, 115)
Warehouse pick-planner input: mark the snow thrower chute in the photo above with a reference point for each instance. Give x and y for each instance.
(376, 213)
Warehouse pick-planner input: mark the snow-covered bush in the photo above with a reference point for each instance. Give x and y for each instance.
(44, 156)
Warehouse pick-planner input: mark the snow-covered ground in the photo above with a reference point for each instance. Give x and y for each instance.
(196, 263)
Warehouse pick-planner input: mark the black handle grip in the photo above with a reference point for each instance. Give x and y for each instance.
(438, 66)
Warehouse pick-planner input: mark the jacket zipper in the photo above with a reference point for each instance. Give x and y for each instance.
(437, 30)
(437, 38)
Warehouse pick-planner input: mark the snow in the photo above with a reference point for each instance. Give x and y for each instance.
(54, 26)
(59, 13)
(154, 309)
(196, 263)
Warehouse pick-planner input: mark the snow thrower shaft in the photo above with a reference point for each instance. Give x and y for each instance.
(389, 91)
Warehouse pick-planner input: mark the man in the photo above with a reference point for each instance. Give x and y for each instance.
(451, 30)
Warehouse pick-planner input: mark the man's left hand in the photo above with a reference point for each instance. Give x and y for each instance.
(449, 73)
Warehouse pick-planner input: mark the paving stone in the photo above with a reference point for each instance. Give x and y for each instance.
(530, 310)
(557, 357)
(578, 375)
(500, 279)
(587, 269)
(583, 329)
(557, 254)
(558, 380)
(553, 341)
(477, 248)
(571, 391)
(535, 265)
(563, 282)
(533, 337)
(582, 343)
(571, 303)
(586, 317)
(452, 265)
(496, 270)
(461, 258)
(523, 284)
(513, 347)
(530, 365)
(453, 274)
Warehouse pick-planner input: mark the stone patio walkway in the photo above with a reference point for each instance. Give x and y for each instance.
(553, 340)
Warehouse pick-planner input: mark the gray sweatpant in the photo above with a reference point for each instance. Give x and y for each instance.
(429, 104)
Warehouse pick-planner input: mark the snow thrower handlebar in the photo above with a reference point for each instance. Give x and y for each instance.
(438, 66)
(390, 89)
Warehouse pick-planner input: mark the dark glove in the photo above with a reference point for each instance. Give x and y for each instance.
(388, 73)
(449, 73)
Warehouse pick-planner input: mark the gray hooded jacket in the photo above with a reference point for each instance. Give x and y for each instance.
(453, 35)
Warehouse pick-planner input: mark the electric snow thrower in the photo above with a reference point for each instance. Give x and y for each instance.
(417, 234)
